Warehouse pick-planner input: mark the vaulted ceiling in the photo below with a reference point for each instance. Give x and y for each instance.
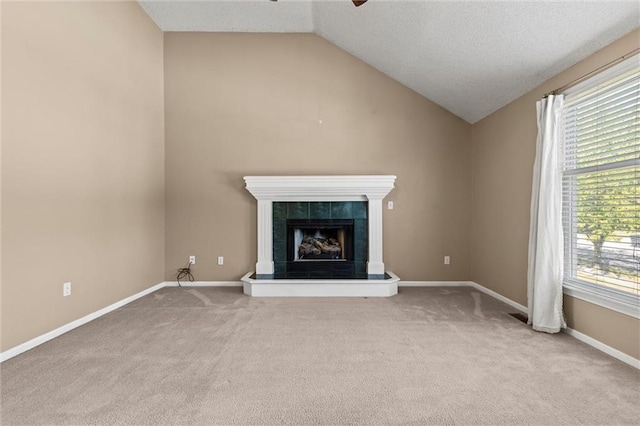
(470, 57)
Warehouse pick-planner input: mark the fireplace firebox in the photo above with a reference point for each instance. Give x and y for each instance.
(319, 240)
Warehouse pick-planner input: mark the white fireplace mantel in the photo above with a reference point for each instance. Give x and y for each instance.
(267, 189)
(319, 188)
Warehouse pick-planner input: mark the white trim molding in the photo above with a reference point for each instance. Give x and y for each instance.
(475, 285)
(203, 284)
(603, 299)
(320, 188)
(404, 283)
(500, 297)
(267, 189)
(17, 350)
(621, 356)
(37, 341)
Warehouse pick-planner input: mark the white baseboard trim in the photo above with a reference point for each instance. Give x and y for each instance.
(402, 283)
(17, 350)
(627, 359)
(204, 283)
(498, 296)
(475, 285)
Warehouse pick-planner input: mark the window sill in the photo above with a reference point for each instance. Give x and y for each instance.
(598, 298)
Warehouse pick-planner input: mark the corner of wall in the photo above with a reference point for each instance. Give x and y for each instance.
(503, 147)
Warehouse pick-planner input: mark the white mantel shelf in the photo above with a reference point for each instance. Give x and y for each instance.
(270, 189)
(320, 188)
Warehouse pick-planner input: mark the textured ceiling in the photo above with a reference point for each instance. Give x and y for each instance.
(470, 57)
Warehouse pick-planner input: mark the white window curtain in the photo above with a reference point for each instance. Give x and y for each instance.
(545, 271)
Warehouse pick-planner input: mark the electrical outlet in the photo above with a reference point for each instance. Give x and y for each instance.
(447, 260)
(66, 289)
(390, 205)
(192, 260)
(220, 260)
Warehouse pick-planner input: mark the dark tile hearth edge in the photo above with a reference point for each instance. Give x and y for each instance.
(298, 276)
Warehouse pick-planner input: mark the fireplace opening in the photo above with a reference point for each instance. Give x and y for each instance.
(319, 240)
(320, 247)
(321, 244)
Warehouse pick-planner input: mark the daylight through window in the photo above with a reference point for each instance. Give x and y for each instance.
(601, 184)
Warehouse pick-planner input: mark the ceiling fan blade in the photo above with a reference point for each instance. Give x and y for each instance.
(355, 2)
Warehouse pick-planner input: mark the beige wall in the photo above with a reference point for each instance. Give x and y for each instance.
(251, 104)
(84, 157)
(503, 151)
(82, 160)
(1, 196)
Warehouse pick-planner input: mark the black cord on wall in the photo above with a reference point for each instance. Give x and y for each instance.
(184, 272)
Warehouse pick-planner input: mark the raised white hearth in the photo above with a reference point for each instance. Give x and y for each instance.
(320, 288)
(270, 189)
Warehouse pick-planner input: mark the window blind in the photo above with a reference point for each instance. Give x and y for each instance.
(601, 185)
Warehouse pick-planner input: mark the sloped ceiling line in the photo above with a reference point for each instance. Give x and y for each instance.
(470, 57)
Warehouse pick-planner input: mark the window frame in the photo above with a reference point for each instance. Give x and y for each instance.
(610, 298)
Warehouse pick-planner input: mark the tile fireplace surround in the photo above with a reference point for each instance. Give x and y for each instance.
(267, 189)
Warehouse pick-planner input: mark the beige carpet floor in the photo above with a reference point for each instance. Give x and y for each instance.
(214, 356)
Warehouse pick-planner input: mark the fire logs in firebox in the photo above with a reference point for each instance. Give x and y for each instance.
(318, 247)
